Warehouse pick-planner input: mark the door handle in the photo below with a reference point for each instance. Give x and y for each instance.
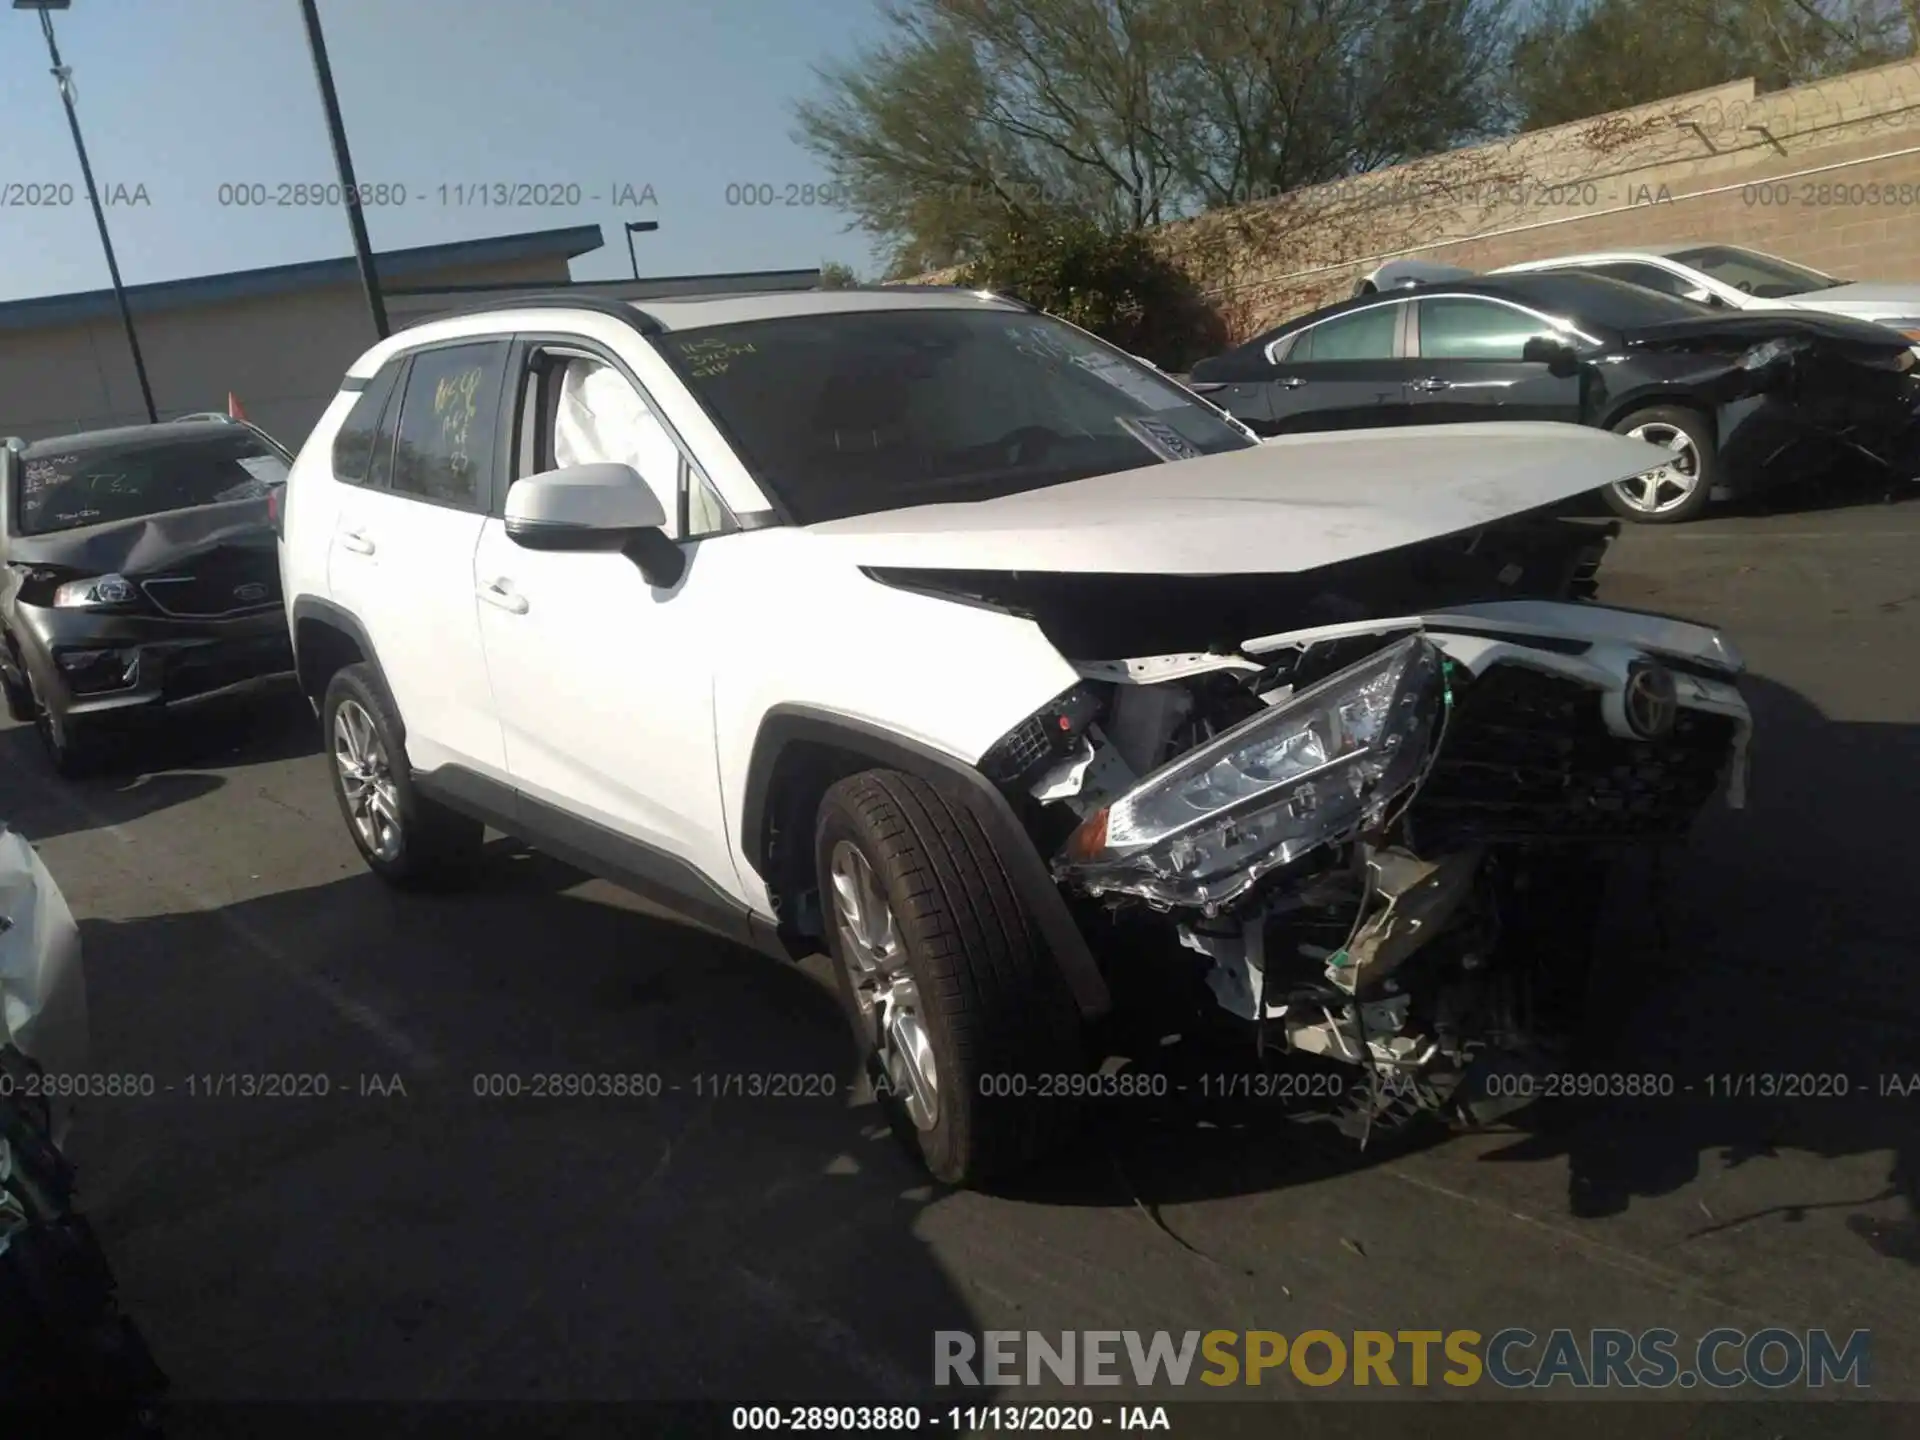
(356, 541)
(1432, 383)
(502, 596)
(1292, 382)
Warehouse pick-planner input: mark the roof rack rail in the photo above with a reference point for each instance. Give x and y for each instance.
(622, 310)
(200, 415)
(894, 285)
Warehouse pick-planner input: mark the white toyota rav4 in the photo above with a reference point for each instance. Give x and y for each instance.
(927, 630)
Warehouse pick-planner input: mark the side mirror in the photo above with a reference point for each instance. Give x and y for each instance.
(595, 507)
(1558, 356)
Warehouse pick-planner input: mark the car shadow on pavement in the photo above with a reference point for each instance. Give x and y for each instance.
(153, 769)
(522, 1145)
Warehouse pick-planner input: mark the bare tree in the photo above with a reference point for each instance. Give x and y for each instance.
(1135, 112)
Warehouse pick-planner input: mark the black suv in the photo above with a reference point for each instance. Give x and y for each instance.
(140, 575)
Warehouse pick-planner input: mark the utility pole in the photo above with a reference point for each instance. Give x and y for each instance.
(343, 161)
(64, 77)
(642, 226)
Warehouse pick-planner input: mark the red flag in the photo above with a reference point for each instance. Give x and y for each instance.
(234, 412)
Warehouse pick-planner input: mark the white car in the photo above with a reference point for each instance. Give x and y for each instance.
(925, 629)
(1736, 278)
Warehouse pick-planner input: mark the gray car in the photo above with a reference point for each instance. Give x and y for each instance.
(140, 576)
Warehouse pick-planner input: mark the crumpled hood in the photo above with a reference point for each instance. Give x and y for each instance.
(136, 547)
(1847, 334)
(1296, 503)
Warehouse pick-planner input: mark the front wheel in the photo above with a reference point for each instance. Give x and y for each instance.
(71, 754)
(962, 1019)
(1680, 489)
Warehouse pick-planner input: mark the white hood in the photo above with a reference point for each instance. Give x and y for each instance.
(1292, 504)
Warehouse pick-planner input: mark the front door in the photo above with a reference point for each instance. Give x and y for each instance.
(1470, 365)
(605, 682)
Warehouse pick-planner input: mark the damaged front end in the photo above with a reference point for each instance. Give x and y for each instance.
(1797, 392)
(1381, 844)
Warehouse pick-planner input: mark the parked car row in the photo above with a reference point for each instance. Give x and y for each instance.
(926, 630)
(1750, 370)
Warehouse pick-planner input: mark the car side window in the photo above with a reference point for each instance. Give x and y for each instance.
(1364, 335)
(449, 423)
(1462, 329)
(1650, 277)
(597, 416)
(353, 447)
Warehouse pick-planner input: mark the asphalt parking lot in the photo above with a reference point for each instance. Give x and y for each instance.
(405, 1238)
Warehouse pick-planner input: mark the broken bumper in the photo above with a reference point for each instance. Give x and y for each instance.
(1498, 731)
(106, 667)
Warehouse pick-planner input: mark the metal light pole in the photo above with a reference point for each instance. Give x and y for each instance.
(343, 161)
(62, 75)
(643, 226)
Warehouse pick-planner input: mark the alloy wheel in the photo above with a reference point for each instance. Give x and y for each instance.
(1669, 486)
(883, 986)
(366, 781)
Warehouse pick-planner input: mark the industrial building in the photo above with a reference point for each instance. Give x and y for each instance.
(279, 338)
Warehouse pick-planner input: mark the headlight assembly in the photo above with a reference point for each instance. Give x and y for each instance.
(99, 593)
(1314, 769)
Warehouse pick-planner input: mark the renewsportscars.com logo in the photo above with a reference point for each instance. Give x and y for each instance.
(1514, 1358)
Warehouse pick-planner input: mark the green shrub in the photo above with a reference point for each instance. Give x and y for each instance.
(1116, 286)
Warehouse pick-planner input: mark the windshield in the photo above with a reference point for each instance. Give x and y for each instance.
(1601, 300)
(851, 413)
(1756, 274)
(101, 484)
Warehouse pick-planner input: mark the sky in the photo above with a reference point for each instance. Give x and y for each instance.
(579, 105)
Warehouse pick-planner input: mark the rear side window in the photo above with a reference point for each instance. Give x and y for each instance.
(353, 447)
(1364, 335)
(449, 421)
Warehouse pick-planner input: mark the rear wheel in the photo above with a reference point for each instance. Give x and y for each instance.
(963, 1021)
(404, 837)
(1682, 488)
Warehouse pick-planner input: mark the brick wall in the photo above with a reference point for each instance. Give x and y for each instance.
(1793, 172)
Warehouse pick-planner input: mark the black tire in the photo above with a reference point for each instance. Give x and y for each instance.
(71, 753)
(19, 699)
(1698, 430)
(995, 1007)
(436, 846)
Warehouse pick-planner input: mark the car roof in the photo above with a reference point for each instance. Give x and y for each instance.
(165, 432)
(537, 310)
(1638, 252)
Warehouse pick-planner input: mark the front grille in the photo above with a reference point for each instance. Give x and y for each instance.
(230, 581)
(213, 667)
(1528, 756)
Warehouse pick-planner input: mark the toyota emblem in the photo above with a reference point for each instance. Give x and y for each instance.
(1651, 701)
(250, 593)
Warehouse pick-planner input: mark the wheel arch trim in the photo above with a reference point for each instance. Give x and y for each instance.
(786, 725)
(334, 617)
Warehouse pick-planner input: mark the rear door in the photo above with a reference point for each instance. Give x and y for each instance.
(1345, 373)
(1470, 364)
(403, 546)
